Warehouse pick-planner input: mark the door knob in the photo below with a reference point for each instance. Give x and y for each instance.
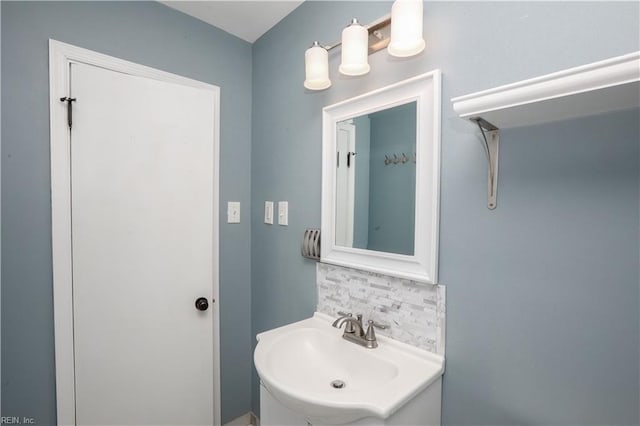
(202, 304)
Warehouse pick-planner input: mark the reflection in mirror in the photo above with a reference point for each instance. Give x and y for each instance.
(376, 180)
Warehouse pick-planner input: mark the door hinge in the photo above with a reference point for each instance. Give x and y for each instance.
(69, 100)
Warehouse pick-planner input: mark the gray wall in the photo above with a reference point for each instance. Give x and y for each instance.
(153, 35)
(542, 293)
(392, 198)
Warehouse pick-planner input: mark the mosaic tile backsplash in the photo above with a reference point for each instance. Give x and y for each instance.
(414, 312)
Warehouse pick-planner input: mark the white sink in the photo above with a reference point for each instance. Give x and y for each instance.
(298, 362)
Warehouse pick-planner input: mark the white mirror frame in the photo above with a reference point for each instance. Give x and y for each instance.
(423, 265)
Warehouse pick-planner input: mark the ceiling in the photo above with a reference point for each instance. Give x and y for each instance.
(247, 20)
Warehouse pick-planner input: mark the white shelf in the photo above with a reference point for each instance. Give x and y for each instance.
(600, 87)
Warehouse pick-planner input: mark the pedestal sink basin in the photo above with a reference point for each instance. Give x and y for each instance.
(311, 370)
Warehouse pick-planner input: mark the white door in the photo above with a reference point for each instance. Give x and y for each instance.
(345, 182)
(142, 185)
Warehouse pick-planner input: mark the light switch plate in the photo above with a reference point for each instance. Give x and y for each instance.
(283, 213)
(268, 212)
(233, 212)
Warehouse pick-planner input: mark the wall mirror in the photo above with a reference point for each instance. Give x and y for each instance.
(380, 180)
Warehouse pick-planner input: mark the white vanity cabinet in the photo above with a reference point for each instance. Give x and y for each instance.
(424, 409)
(273, 413)
(299, 363)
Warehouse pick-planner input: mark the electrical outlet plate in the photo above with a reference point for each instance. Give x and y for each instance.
(268, 212)
(233, 212)
(283, 213)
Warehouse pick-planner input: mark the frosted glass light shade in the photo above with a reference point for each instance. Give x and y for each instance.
(406, 28)
(355, 50)
(316, 67)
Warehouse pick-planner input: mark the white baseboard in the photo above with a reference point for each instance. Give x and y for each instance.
(247, 419)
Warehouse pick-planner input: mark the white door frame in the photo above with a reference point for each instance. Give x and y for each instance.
(348, 216)
(61, 55)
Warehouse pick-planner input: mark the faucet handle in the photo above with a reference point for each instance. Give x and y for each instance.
(348, 328)
(371, 334)
(377, 325)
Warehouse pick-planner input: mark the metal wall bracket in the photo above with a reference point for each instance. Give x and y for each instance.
(491, 140)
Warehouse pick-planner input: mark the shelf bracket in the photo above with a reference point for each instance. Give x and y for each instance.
(491, 139)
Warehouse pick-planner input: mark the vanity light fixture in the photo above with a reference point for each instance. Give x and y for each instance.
(355, 46)
(316, 64)
(403, 38)
(406, 33)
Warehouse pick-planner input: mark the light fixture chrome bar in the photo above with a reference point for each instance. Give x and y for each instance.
(491, 147)
(379, 35)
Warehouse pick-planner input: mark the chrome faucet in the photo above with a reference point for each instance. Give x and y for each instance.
(350, 327)
(354, 332)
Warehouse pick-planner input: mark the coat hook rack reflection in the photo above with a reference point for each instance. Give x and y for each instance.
(398, 159)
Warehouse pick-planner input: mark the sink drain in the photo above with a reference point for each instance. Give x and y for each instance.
(338, 384)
